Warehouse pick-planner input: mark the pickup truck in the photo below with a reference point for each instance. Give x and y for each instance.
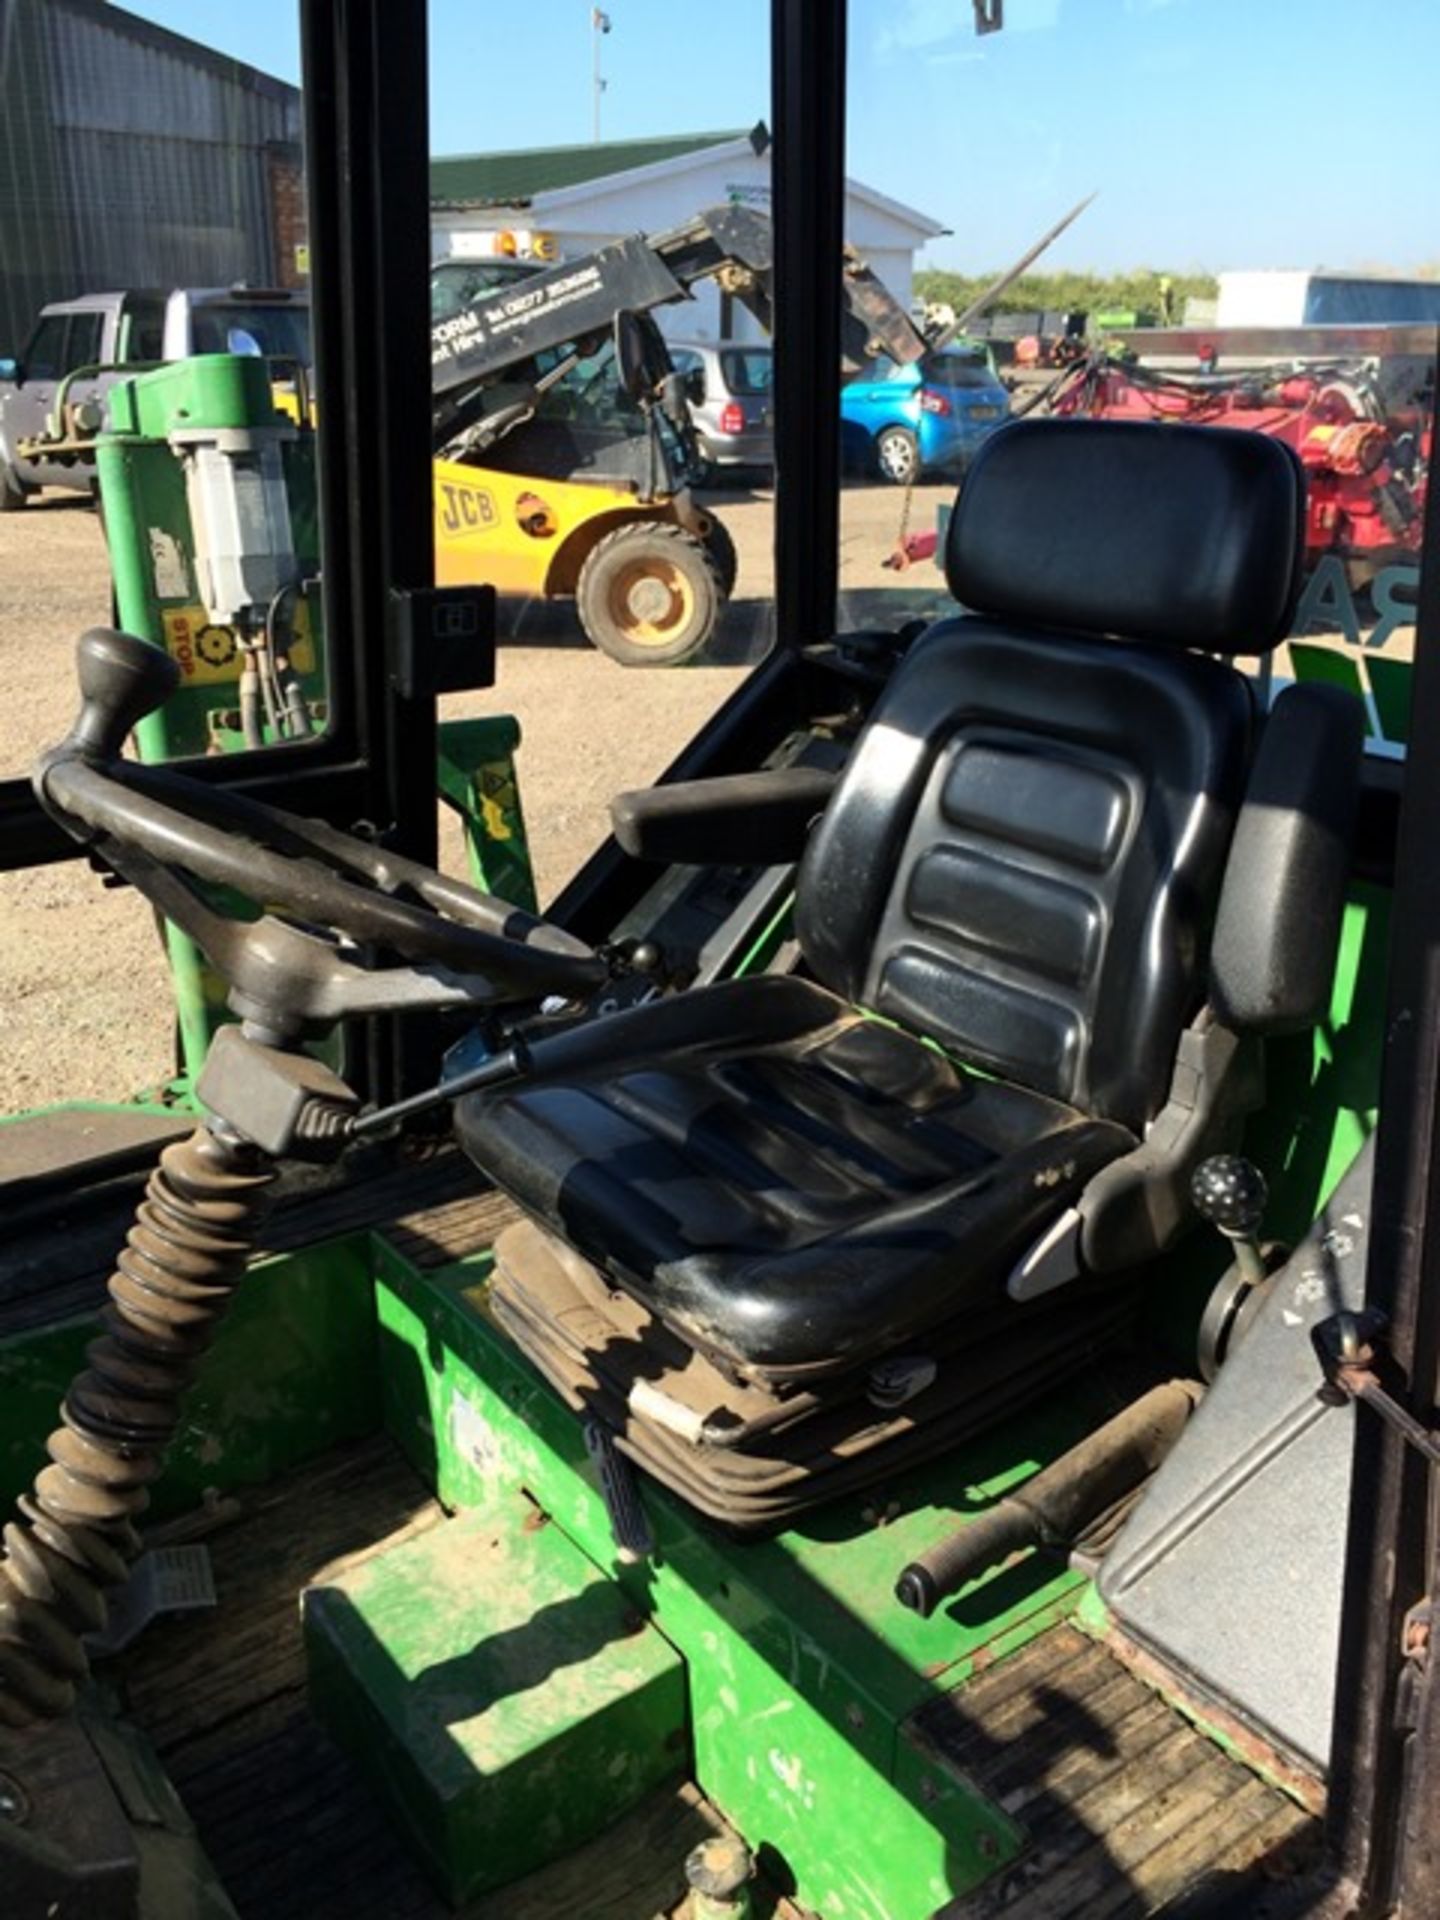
(104, 336)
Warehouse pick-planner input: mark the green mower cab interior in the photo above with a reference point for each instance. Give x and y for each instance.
(874, 1359)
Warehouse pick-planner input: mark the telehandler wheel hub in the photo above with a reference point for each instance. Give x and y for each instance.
(651, 601)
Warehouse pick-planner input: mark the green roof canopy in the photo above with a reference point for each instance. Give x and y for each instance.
(513, 179)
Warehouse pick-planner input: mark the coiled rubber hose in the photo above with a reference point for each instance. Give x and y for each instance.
(75, 1537)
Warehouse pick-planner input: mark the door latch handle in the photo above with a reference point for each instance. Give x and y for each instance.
(1352, 1352)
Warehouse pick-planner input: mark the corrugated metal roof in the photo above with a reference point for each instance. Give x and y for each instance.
(513, 179)
(194, 53)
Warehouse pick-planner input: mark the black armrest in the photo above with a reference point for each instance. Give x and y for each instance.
(742, 819)
(1277, 928)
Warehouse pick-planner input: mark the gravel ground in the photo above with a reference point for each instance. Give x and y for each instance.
(84, 999)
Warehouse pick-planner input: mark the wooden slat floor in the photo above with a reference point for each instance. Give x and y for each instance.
(1129, 1810)
(291, 1827)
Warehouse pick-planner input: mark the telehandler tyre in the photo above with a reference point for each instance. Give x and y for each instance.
(650, 594)
(722, 552)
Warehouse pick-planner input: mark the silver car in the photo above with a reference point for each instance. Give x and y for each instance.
(728, 387)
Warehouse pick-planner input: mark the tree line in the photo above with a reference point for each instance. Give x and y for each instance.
(1139, 289)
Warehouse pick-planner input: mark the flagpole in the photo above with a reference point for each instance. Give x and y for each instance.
(599, 26)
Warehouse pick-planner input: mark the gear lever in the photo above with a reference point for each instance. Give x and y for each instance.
(1230, 1192)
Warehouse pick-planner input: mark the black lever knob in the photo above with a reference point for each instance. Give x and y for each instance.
(122, 678)
(1230, 1192)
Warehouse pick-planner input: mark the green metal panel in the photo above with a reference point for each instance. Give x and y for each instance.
(151, 542)
(292, 1372)
(803, 1668)
(1389, 682)
(152, 545)
(1325, 664)
(1390, 685)
(477, 778)
(211, 390)
(504, 1696)
(1323, 1089)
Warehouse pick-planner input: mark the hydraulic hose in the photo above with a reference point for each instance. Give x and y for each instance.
(75, 1538)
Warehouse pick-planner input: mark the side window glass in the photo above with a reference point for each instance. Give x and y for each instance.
(145, 325)
(44, 357)
(1367, 431)
(191, 132)
(82, 342)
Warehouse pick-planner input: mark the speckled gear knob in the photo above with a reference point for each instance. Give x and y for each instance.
(1230, 1192)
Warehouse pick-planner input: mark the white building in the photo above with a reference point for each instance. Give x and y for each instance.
(565, 201)
(1321, 296)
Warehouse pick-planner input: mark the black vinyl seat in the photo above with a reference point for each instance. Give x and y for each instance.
(1030, 860)
(792, 1204)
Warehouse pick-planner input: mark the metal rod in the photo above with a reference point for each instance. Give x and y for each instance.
(1380, 1849)
(510, 1065)
(807, 83)
(366, 101)
(599, 27)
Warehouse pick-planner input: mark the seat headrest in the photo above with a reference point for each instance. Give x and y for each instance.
(1190, 536)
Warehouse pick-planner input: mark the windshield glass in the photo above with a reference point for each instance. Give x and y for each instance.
(1134, 266)
(279, 332)
(454, 284)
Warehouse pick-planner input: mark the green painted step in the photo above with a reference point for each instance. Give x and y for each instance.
(803, 1669)
(500, 1692)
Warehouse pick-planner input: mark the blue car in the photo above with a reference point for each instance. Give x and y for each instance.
(905, 422)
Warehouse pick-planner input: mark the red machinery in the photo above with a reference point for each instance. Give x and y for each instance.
(1365, 456)
(1362, 426)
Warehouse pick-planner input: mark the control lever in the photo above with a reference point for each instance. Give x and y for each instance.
(1230, 1192)
(121, 680)
(1062, 1503)
(1355, 1358)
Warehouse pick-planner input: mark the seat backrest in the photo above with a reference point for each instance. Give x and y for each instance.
(1023, 856)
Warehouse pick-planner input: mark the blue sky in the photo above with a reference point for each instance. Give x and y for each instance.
(1219, 132)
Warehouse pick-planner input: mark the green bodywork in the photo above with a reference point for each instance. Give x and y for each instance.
(1386, 681)
(509, 1683)
(786, 1679)
(804, 1675)
(504, 1695)
(803, 1669)
(152, 556)
(478, 781)
(1323, 1089)
(152, 545)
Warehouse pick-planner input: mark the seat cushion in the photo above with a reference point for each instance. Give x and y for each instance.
(792, 1205)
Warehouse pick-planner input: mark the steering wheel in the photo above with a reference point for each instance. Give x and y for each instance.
(318, 888)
